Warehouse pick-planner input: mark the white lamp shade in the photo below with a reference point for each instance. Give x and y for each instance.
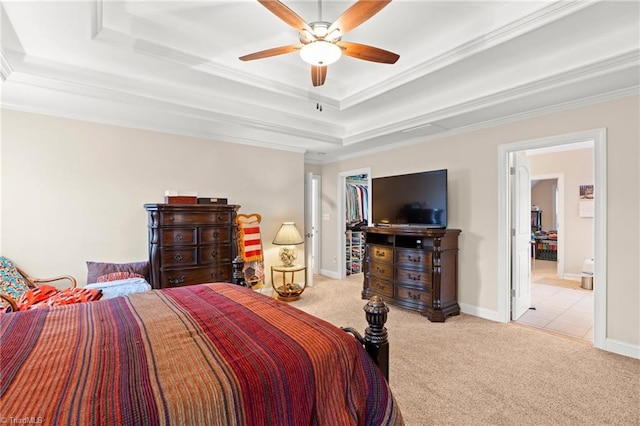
(288, 235)
(320, 53)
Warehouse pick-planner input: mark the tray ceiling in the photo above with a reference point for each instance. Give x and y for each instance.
(172, 66)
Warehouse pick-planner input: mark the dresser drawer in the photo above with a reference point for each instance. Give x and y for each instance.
(414, 258)
(214, 254)
(214, 234)
(177, 236)
(380, 254)
(195, 218)
(180, 277)
(417, 278)
(381, 270)
(178, 256)
(381, 287)
(414, 296)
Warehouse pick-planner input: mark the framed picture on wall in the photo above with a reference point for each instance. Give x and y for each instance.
(586, 201)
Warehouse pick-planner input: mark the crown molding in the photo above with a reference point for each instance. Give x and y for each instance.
(5, 67)
(612, 64)
(501, 35)
(103, 33)
(565, 106)
(44, 74)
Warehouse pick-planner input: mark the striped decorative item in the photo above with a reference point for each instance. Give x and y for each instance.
(250, 239)
(250, 246)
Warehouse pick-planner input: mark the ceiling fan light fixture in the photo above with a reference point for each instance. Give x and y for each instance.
(320, 53)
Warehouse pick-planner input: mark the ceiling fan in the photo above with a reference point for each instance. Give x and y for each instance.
(321, 42)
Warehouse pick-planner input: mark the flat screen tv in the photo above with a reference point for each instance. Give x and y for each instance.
(418, 199)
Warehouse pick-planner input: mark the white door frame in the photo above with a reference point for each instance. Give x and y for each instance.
(599, 138)
(342, 226)
(312, 232)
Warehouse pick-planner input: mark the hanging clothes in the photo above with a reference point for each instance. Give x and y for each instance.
(357, 204)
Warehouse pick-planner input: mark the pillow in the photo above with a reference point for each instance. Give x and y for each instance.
(115, 276)
(118, 288)
(98, 269)
(12, 283)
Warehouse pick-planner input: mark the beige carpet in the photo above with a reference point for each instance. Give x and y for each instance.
(470, 371)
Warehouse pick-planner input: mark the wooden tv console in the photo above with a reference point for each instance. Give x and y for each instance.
(413, 267)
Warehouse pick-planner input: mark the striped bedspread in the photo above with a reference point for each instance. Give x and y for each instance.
(211, 354)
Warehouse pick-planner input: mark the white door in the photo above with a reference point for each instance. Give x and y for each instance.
(311, 224)
(521, 235)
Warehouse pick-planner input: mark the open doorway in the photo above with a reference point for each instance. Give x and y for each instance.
(559, 303)
(353, 211)
(507, 200)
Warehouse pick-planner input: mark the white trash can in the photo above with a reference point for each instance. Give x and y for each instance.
(587, 275)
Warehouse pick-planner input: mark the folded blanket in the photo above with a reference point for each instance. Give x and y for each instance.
(116, 288)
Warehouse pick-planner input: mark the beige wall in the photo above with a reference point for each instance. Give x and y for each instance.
(576, 166)
(73, 191)
(471, 159)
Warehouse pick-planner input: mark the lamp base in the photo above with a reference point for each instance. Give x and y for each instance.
(288, 255)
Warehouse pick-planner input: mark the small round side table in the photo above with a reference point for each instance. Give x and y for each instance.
(289, 290)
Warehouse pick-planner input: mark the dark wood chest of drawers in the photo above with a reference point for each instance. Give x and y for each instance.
(413, 267)
(191, 244)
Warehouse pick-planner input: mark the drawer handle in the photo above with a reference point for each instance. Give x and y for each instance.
(216, 275)
(414, 259)
(214, 254)
(380, 253)
(414, 296)
(379, 287)
(175, 281)
(220, 218)
(178, 257)
(216, 234)
(170, 217)
(380, 271)
(414, 277)
(178, 237)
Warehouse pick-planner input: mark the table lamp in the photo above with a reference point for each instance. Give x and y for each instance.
(288, 236)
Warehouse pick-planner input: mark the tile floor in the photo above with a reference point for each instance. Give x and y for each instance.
(560, 306)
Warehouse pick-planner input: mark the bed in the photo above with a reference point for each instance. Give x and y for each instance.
(196, 355)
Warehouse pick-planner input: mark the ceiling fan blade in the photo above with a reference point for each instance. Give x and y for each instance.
(287, 15)
(367, 53)
(318, 75)
(271, 52)
(357, 14)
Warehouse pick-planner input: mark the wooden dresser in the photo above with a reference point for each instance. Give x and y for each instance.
(413, 267)
(191, 243)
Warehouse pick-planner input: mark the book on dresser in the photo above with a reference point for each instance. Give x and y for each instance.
(191, 243)
(413, 267)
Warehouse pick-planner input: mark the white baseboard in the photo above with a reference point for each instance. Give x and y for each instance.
(611, 345)
(572, 277)
(622, 348)
(330, 274)
(477, 311)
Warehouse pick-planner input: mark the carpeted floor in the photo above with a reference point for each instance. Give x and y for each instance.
(471, 371)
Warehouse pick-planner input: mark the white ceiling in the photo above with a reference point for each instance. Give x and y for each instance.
(173, 66)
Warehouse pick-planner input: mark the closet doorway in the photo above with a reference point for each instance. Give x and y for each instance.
(355, 211)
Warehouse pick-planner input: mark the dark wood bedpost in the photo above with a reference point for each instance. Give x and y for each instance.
(375, 336)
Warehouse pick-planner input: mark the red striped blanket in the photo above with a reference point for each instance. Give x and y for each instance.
(197, 355)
